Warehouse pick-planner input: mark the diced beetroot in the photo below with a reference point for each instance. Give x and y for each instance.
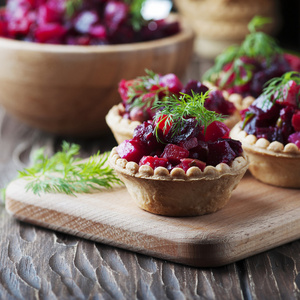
(49, 31)
(149, 98)
(124, 86)
(293, 61)
(145, 134)
(216, 130)
(154, 161)
(172, 82)
(163, 125)
(115, 13)
(200, 151)
(236, 146)
(138, 114)
(220, 152)
(296, 121)
(131, 150)
(295, 138)
(196, 86)
(189, 144)
(98, 31)
(290, 94)
(174, 153)
(187, 163)
(284, 123)
(48, 14)
(20, 23)
(216, 102)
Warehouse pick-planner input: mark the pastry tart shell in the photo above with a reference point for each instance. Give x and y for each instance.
(122, 129)
(272, 163)
(177, 193)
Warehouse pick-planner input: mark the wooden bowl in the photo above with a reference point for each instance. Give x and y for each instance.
(219, 24)
(68, 90)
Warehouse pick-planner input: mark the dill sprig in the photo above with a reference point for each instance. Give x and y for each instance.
(72, 6)
(141, 86)
(256, 44)
(277, 88)
(174, 111)
(136, 19)
(66, 173)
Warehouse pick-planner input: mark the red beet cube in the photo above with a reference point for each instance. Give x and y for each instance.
(163, 125)
(172, 82)
(293, 61)
(189, 144)
(187, 163)
(296, 121)
(220, 152)
(290, 94)
(215, 131)
(174, 153)
(295, 138)
(131, 150)
(49, 31)
(153, 161)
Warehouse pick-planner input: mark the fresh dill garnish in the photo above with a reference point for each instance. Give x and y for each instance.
(72, 6)
(256, 44)
(174, 111)
(141, 87)
(136, 19)
(65, 173)
(277, 88)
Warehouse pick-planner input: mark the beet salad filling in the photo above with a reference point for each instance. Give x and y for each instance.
(140, 95)
(275, 115)
(182, 134)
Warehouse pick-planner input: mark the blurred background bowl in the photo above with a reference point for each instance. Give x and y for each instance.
(68, 90)
(219, 24)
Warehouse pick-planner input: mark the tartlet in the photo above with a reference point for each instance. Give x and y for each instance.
(183, 162)
(270, 132)
(177, 193)
(270, 162)
(242, 71)
(146, 90)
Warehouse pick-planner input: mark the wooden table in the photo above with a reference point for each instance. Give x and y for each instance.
(36, 263)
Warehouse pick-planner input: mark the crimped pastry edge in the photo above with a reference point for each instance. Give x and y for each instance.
(115, 119)
(177, 174)
(261, 145)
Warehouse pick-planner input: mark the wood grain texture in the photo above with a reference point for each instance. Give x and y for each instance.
(60, 266)
(68, 90)
(258, 217)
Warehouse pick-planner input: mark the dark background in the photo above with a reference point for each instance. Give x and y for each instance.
(289, 35)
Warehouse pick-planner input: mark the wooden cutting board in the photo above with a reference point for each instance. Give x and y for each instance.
(258, 217)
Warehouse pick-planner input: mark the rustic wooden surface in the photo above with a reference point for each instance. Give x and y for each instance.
(258, 217)
(37, 263)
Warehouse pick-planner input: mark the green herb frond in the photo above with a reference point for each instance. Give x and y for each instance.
(175, 110)
(276, 87)
(72, 6)
(141, 87)
(137, 19)
(66, 173)
(255, 44)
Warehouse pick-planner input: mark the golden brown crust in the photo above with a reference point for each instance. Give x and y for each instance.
(177, 193)
(272, 163)
(121, 128)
